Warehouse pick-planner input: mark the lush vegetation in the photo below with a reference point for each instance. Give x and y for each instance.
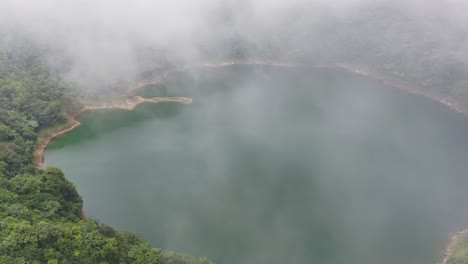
(460, 251)
(428, 49)
(425, 45)
(40, 211)
(422, 42)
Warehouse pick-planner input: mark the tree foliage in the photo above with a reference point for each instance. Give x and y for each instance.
(40, 210)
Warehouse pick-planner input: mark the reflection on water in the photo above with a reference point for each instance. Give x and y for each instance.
(273, 165)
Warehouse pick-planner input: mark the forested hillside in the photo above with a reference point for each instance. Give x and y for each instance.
(428, 48)
(40, 210)
(422, 42)
(425, 44)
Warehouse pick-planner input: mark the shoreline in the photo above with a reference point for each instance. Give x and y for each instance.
(450, 250)
(160, 77)
(128, 104)
(133, 101)
(400, 84)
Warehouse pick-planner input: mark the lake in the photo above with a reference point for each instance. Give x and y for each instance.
(276, 165)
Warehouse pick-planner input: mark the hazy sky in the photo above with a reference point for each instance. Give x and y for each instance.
(109, 39)
(101, 33)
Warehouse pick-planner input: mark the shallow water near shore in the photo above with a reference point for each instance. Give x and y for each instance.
(276, 165)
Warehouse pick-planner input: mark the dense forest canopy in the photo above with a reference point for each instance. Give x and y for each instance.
(41, 217)
(52, 53)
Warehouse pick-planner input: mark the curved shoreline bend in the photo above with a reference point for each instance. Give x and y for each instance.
(160, 77)
(128, 104)
(401, 85)
(131, 103)
(450, 250)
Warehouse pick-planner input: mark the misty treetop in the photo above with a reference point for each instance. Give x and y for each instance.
(30, 99)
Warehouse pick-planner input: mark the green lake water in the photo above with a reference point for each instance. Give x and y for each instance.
(276, 165)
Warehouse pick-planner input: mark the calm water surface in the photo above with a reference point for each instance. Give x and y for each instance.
(274, 165)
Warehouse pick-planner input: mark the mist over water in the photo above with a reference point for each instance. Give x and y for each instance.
(276, 165)
(100, 45)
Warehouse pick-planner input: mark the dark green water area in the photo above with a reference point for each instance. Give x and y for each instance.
(276, 165)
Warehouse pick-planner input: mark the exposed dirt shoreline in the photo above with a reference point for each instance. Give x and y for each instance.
(133, 101)
(401, 85)
(160, 77)
(451, 247)
(128, 104)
